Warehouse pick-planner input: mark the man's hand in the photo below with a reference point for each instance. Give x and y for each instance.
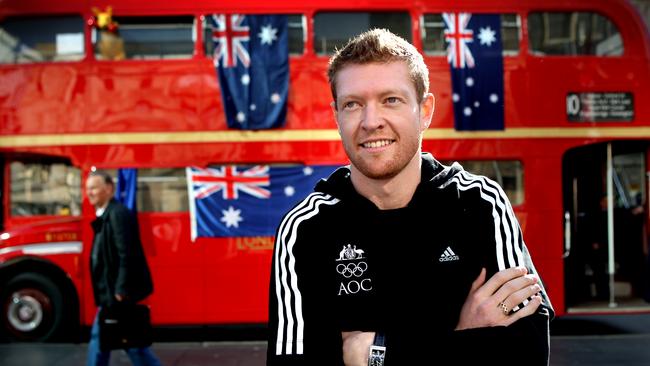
(356, 346)
(119, 297)
(489, 304)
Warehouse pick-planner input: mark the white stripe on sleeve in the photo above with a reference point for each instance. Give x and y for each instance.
(492, 193)
(284, 242)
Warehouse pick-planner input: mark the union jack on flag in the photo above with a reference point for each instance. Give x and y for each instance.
(458, 37)
(230, 181)
(228, 35)
(246, 201)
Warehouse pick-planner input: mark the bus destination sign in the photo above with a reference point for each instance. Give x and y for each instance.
(600, 107)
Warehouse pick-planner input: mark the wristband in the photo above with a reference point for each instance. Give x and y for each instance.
(377, 351)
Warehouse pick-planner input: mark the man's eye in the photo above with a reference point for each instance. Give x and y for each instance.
(392, 100)
(349, 105)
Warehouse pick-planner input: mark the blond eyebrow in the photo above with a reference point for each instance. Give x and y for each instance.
(397, 91)
(392, 91)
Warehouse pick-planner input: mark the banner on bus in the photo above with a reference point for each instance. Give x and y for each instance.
(475, 57)
(251, 56)
(247, 201)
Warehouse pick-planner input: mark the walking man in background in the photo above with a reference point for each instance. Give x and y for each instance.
(119, 269)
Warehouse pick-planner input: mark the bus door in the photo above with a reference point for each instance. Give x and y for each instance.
(605, 258)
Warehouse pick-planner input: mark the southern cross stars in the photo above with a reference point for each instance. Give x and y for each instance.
(231, 217)
(268, 34)
(487, 36)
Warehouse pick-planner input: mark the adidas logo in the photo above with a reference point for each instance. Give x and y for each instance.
(448, 255)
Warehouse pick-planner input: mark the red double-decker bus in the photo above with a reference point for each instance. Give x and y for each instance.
(577, 130)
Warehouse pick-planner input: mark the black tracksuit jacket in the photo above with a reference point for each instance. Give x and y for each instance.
(342, 264)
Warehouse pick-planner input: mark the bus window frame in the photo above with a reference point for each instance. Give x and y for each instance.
(85, 44)
(538, 55)
(13, 220)
(194, 38)
(201, 19)
(518, 200)
(416, 39)
(505, 53)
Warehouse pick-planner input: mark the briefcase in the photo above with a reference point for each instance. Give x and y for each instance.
(124, 326)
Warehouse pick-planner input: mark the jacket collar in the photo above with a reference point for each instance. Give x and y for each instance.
(434, 175)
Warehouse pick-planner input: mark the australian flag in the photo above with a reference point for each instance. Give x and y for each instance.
(474, 55)
(234, 200)
(251, 55)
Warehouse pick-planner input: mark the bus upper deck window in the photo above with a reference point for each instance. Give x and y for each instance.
(333, 29)
(297, 30)
(572, 34)
(41, 39)
(146, 38)
(162, 190)
(39, 188)
(510, 33)
(297, 34)
(433, 34)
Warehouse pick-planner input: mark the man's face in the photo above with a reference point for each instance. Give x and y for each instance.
(379, 118)
(98, 191)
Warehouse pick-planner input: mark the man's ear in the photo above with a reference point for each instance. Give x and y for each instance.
(426, 110)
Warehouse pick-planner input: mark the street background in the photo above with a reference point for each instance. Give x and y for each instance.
(597, 340)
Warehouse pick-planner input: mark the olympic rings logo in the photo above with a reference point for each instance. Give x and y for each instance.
(352, 269)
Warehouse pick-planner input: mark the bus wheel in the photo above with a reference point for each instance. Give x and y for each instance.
(32, 308)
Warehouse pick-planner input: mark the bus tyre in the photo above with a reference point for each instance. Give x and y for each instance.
(32, 308)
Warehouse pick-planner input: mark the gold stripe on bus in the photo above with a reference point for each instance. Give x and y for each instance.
(168, 137)
(306, 135)
(542, 132)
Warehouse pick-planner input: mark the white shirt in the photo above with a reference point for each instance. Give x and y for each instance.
(100, 211)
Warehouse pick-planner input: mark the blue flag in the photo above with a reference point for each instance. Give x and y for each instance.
(245, 201)
(251, 55)
(476, 63)
(127, 185)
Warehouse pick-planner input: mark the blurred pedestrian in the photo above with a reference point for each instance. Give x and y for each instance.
(119, 270)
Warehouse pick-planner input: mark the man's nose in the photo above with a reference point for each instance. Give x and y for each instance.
(372, 117)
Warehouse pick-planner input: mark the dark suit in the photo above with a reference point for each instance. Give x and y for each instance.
(117, 261)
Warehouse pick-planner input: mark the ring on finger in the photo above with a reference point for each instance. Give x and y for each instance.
(504, 308)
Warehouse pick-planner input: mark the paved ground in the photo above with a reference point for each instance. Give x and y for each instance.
(170, 354)
(622, 340)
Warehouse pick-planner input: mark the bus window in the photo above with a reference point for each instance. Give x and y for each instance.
(508, 173)
(41, 39)
(573, 33)
(333, 29)
(146, 38)
(297, 35)
(162, 190)
(510, 33)
(629, 180)
(433, 34)
(44, 189)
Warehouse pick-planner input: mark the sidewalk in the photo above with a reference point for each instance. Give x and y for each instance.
(170, 354)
